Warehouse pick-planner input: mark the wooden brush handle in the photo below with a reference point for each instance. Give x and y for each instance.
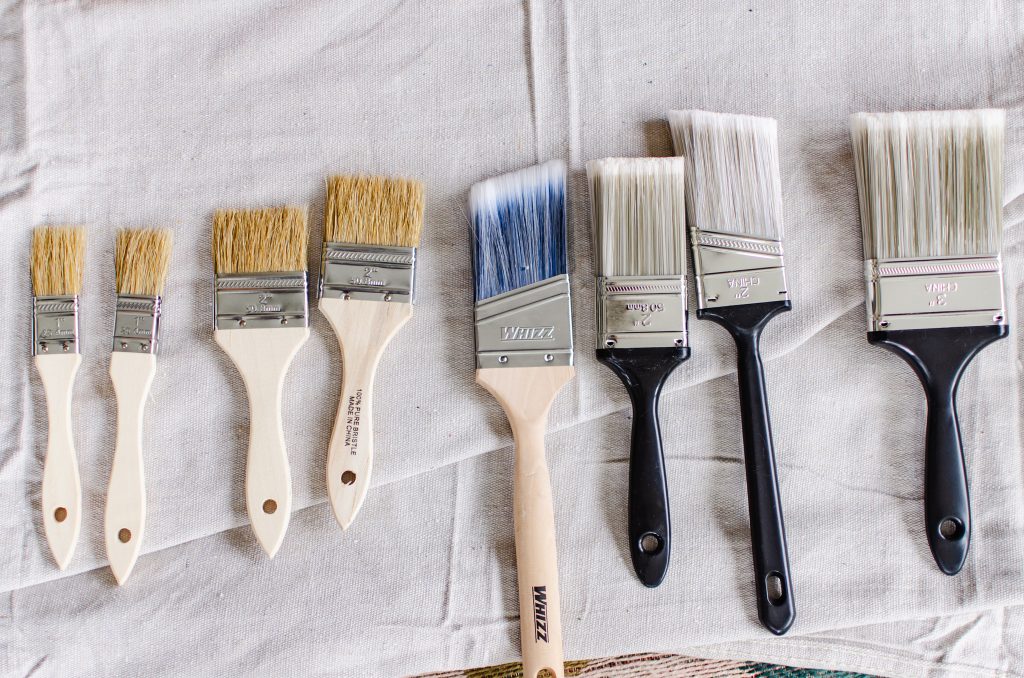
(125, 517)
(62, 490)
(262, 356)
(364, 329)
(526, 394)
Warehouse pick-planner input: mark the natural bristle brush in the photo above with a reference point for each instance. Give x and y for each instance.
(261, 321)
(639, 222)
(931, 200)
(58, 258)
(141, 259)
(734, 209)
(524, 357)
(371, 230)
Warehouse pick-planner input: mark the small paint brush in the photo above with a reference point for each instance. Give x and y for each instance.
(371, 230)
(931, 200)
(524, 357)
(639, 221)
(141, 259)
(734, 206)
(261, 322)
(58, 260)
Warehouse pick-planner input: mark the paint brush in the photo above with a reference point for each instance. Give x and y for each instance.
(523, 358)
(367, 281)
(141, 259)
(734, 208)
(639, 222)
(931, 200)
(58, 260)
(261, 321)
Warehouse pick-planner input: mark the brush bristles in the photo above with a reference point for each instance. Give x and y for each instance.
(518, 223)
(141, 260)
(58, 260)
(732, 172)
(638, 209)
(930, 183)
(374, 211)
(269, 240)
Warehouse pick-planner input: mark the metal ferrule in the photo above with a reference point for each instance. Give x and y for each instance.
(527, 327)
(54, 325)
(370, 273)
(136, 324)
(261, 300)
(641, 312)
(733, 270)
(910, 294)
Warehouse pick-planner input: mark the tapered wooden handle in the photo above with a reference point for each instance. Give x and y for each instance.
(125, 517)
(526, 394)
(364, 329)
(263, 357)
(62, 490)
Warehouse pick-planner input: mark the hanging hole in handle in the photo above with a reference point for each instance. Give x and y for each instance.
(951, 529)
(348, 478)
(546, 673)
(61, 514)
(269, 506)
(650, 543)
(774, 587)
(124, 535)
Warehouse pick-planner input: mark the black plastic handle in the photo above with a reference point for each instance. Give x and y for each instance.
(939, 357)
(644, 371)
(774, 589)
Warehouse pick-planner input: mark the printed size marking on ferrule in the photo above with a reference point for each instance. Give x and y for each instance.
(54, 325)
(136, 324)
(905, 294)
(733, 270)
(527, 327)
(641, 312)
(260, 300)
(370, 273)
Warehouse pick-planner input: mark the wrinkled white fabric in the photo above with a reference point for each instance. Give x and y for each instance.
(118, 113)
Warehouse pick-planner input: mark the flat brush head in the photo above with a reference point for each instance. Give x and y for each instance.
(638, 209)
(58, 256)
(732, 172)
(271, 240)
(929, 183)
(141, 259)
(518, 223)
(379, 211)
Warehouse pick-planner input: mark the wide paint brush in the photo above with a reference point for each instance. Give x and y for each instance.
(524, 358)
(367, 281)
(261, 320)
(141, 259)
(734, 208)
(58, 258)
(639, 220)
(931, 201)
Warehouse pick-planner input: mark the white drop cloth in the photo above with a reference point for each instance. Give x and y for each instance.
(150, 112)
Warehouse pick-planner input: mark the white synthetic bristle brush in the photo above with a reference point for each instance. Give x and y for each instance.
(734, 206)
(141, 259)
(931, 200)
(638, 209)
(371, 230)
(261, 322)
(524, 357)
(58, 255)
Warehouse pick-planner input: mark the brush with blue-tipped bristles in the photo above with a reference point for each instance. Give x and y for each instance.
(524, 357)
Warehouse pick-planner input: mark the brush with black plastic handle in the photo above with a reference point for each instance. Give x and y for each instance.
(639, 223)
(58, 262)
(524, 357)
(931, 198)
(734, 205)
